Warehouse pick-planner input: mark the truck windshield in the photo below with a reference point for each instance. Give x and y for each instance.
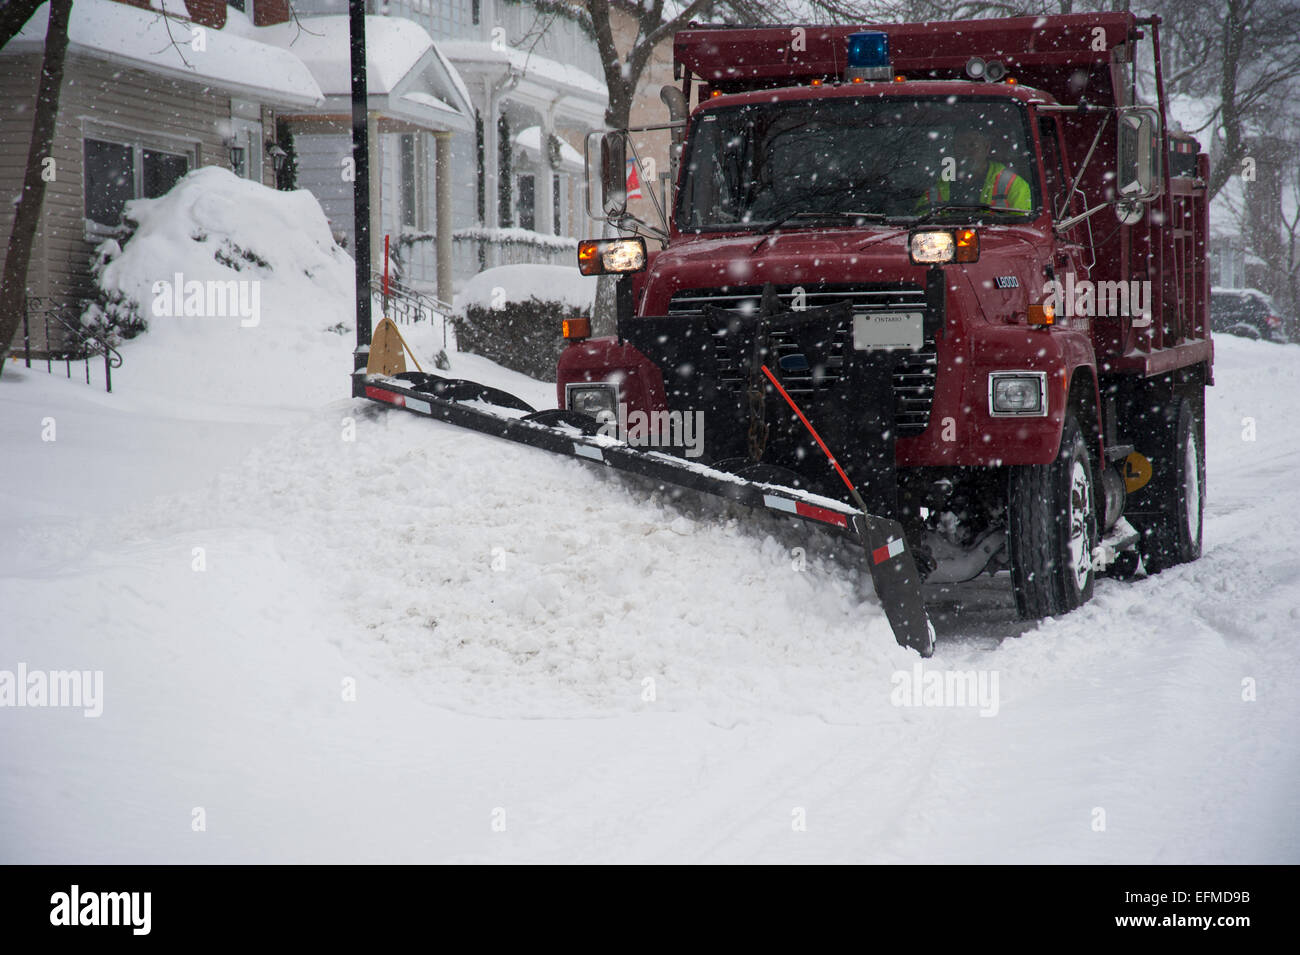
(855, 160)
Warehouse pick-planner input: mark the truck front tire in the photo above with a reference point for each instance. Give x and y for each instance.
(1052, 529)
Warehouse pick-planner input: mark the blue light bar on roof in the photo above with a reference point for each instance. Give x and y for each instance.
(868, 56)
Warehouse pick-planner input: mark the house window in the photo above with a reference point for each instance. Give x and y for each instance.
(161, 171)
(117, 172)
(527, 204)
(110, 180)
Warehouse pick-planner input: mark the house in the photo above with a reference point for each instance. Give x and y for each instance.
(146, 98)
(532, 74)
(417, 106)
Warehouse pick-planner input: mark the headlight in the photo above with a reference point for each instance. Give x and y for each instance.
(592, 399)
(932, 247)
(598, 257)
(1018, 393)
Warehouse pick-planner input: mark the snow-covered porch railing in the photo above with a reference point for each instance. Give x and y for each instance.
(474, 250)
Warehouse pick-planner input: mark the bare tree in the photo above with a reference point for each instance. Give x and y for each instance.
(13, 15)
(623, 68)
(1291, 248)
(1244, 57)
(13, 285)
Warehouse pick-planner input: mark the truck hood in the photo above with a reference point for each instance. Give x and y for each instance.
(806, 257)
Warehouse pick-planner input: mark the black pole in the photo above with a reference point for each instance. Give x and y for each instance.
(360, 191)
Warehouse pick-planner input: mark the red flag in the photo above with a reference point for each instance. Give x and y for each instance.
(633, 181)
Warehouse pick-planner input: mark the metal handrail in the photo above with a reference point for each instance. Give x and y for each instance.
(408, 304)
(87, 342)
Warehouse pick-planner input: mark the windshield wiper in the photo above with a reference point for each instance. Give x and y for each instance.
(958, 207)
(777, 223)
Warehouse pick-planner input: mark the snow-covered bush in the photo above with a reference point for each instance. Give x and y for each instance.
(214, 236)
(512, 314)
(112, 315)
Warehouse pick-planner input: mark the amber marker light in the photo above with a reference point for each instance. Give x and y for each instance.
(968, 246)
(576, 329)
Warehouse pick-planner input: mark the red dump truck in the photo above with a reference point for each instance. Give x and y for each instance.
(954, 273)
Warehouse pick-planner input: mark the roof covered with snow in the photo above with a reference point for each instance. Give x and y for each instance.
(148, 40)
(530, 140)
(401, 62)
(562, 77)
(394, 48)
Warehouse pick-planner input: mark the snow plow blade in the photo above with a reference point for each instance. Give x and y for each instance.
(491, 411)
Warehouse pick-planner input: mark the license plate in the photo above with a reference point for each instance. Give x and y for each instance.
(885, 330)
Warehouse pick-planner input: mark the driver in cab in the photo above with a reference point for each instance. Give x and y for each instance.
(978, 180)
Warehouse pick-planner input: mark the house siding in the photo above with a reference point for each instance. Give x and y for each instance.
(321, 152)
(98, 98)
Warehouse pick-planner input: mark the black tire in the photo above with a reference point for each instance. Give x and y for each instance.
(1052, 529)
(1173, 536)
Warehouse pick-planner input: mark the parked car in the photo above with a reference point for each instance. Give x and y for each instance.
(1246, 312)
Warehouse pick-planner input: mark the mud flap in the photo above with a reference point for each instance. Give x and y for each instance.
(897, 583)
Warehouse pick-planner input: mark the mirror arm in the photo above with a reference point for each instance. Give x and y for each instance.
(1078, 176)
(1066, 224)
(654, 197)
(637, 226)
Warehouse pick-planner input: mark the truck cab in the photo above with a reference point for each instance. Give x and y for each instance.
(963, 253)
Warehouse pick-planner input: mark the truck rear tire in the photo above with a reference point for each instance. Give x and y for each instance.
(1173, 536)
(1052, 529)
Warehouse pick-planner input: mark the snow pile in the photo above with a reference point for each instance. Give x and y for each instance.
(223, 269)
(505, 284)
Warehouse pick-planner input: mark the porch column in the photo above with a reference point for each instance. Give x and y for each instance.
(543, 199)
(442, 211)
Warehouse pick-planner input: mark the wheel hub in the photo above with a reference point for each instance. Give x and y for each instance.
(1192, 487)
(1081, 508)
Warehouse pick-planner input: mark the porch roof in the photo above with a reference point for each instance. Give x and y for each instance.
(146, 40)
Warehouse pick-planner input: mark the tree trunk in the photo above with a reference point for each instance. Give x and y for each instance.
(13, 286)
(605, 319)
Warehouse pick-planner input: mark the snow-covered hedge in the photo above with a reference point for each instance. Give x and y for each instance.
(512, 314)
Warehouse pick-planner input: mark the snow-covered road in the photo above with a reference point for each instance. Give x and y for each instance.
(554, 664)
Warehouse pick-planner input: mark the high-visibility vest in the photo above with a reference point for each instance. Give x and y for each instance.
(996, 193)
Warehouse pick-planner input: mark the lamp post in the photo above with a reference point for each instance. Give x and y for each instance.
(360, 191)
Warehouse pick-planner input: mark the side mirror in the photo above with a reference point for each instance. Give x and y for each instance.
(1137, 164)
(613, 174)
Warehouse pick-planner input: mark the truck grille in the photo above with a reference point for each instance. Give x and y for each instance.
(914, 374)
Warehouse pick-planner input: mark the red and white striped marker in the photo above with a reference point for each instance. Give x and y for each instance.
(888, 551)
(825, 515)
